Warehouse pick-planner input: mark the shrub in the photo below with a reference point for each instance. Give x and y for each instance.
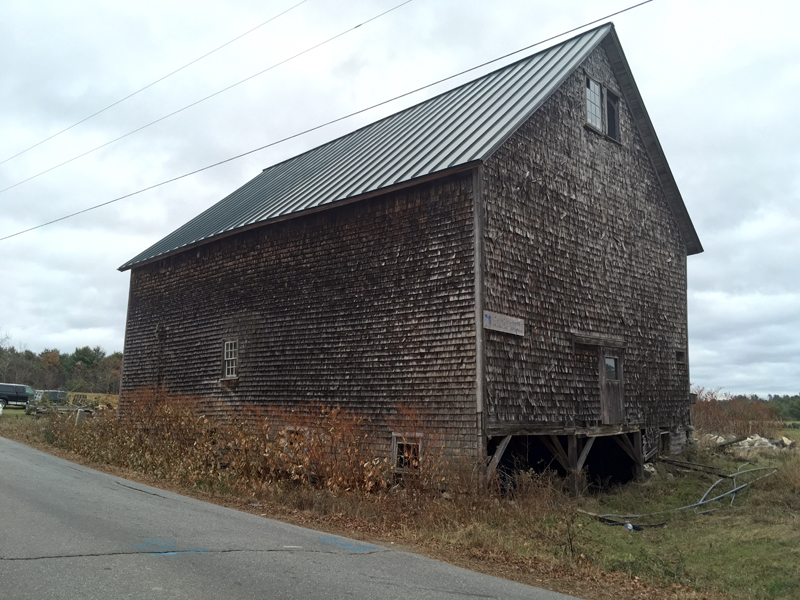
(165, 436)
(733, 415)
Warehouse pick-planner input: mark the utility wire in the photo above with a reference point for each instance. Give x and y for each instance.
(217, 93)
(149, 85)
(315, 128)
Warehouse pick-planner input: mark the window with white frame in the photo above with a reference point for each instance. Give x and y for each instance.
(602, 109)
(594, 104)
(231, 359)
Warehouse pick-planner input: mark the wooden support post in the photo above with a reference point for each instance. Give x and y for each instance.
(585, 452)
(625, 443)
(576, 481)
(638, 451)
(653, 452)
(572, 452)
(498, 454)
(554, 446)
(634, 450)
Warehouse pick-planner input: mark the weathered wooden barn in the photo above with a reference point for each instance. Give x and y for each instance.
(507, 258)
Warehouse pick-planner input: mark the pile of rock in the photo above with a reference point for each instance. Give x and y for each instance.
(754, 442)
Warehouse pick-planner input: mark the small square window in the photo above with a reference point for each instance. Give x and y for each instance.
(231, 359)
(680, 357)
(612, 372)
(406, 452)
(408, 456)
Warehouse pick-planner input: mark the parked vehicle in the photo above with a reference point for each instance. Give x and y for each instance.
(12, 394)
(46, 398)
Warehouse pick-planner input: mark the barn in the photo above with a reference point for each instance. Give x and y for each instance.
(507, 259)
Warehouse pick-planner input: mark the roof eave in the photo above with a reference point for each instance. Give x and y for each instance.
(380, 192)
(619, 64)
(557, 84)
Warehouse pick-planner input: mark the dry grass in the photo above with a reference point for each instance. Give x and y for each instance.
(320, 461)
(165, 437)
(734, 416)
(318, 469)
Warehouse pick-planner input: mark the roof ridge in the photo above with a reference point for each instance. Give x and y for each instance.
(459, 126)
(609, 25)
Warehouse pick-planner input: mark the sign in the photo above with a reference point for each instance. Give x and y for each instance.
(504, 323)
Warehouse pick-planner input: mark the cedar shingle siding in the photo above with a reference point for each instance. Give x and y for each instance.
(372, 305)
(579, 239)
(367, 306)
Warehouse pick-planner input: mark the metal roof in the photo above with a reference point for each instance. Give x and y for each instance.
(453, 129)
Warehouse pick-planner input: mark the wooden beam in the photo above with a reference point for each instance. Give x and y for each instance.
(585, 452)
(625, 444)
(498, 454)
(477, 211)
(638, 451)
(572, 452)
(653, 451)
(555, 448)
(591, 339)
(583, 431)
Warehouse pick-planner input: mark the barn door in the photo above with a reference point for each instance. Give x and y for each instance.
(612, 389)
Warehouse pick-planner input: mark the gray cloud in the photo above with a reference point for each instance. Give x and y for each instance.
(718, 78)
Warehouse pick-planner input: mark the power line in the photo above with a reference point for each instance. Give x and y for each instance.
(217, 93)
(315, 128)
(149, 85)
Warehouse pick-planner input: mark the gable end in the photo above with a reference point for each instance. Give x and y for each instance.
(622, 71)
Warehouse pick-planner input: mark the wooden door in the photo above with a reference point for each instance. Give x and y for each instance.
(612, 388)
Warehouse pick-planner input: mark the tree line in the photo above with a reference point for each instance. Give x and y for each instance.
(784, 408)
(787, 407)
(88, 370)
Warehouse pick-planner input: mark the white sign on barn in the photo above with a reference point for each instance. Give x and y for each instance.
(504, 323)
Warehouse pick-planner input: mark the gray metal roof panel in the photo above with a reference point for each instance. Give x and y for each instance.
(458, 127)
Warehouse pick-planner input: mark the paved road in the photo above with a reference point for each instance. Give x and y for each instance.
(68, 532)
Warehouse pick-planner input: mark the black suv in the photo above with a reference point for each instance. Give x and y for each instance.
(12, 394)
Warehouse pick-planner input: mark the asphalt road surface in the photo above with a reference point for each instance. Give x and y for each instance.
(69, 532)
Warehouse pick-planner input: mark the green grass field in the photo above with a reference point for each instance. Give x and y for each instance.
(13, 412)
(747, 549)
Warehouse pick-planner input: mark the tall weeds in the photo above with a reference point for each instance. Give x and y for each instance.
(164, 436)
(736, 416)
(321, 459)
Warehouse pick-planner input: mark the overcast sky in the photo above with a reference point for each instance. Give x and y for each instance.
(721, 82)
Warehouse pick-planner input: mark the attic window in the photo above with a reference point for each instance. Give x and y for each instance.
(594, 106)
(612, 115)
(602, 110)
(680, 357)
